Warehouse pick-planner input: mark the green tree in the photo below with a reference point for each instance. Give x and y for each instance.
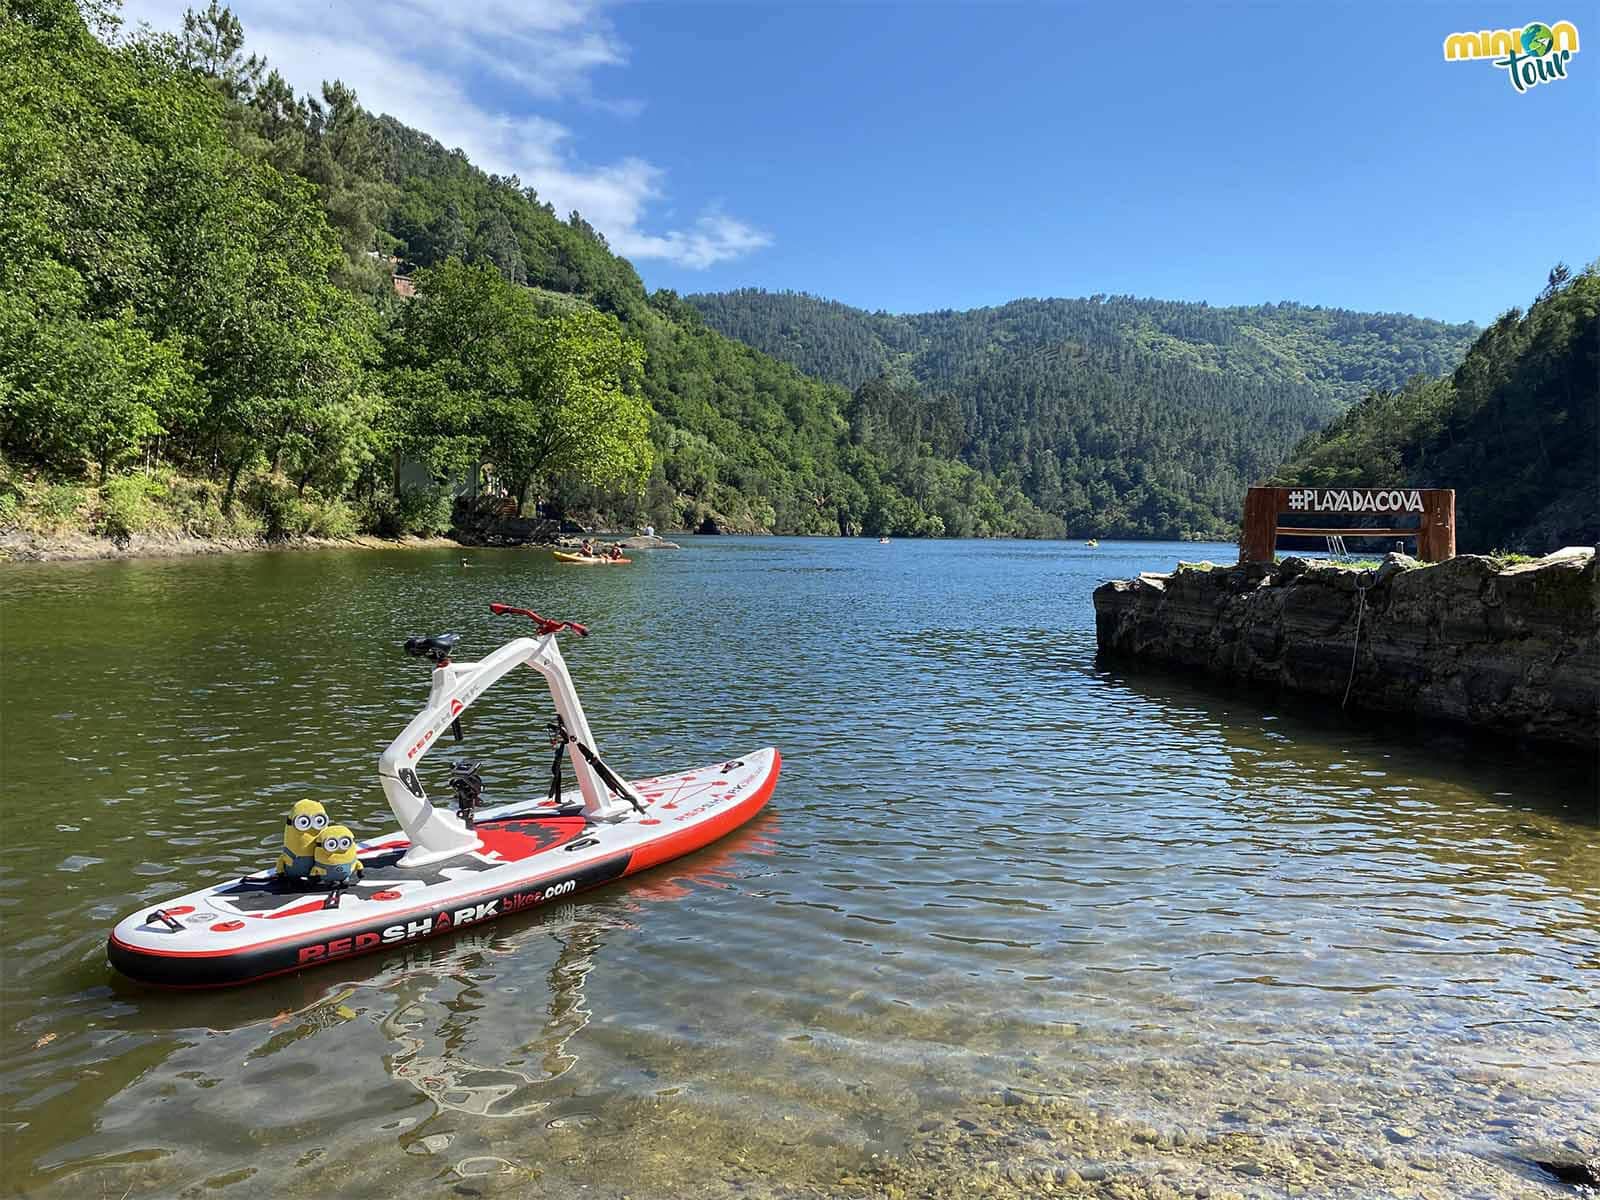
(548, 394)
(188, 277)
(212, 43)
(1515, 429)
(187, 281)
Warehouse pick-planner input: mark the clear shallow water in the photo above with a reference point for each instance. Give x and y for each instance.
(990, 863)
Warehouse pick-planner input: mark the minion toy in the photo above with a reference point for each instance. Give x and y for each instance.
(307, 820)
(335, 852)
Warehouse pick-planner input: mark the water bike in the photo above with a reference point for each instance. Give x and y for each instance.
(443, 869)
(588, 560)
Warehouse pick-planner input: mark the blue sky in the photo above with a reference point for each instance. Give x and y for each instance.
(913, 157)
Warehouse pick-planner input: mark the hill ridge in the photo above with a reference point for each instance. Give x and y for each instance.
(1120, 416)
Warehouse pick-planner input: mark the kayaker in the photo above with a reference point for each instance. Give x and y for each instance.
(616, 550)
(587, 548)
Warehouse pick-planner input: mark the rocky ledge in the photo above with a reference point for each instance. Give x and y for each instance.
(1513, 649)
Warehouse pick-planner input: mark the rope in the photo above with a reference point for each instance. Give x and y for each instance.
(559, 738)
(1355, 645)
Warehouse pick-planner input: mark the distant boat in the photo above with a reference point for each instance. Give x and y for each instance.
(1093, 543)
(883, 541)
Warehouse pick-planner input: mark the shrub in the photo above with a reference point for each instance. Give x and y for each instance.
(1510, 558)
(195, 505)
(128, 506)
(12, 497)
(283, 514)
(60, 506)
(331, 519)
(422, 511)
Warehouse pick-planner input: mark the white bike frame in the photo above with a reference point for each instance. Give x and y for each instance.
(437, 834)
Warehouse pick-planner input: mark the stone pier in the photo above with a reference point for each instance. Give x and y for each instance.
(1510, 648)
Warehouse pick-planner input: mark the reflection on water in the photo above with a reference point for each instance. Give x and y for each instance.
(429, 1057)
(992, 866)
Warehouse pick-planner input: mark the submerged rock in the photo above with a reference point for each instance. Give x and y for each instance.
(1579, 1172)
(648, 541)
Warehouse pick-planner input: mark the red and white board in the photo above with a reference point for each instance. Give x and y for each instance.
(255, 927)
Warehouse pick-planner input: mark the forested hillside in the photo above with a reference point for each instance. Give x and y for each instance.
(1121, 416)
(1515, 429)
(200, 326)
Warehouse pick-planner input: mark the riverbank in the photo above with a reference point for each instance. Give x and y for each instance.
(167, 515)
(1508, 648)
(18, 546)
(22, 546)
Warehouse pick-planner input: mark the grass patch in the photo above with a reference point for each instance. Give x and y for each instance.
(1346, 564)
(35, 506)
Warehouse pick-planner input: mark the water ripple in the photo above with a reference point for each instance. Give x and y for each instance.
(990, 858)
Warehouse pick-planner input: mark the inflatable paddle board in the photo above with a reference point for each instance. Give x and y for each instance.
(442, 870)
(588, 560)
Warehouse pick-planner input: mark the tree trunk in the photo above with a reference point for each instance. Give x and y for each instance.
(233, 481)
(283, 436)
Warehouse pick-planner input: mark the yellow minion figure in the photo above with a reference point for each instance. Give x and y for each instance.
(335, 852)
(307, 820)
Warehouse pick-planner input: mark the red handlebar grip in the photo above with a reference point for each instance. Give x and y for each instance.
(544, 623)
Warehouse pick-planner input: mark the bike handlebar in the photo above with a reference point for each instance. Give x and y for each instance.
(545, 624)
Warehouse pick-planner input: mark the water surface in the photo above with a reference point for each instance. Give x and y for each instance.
(991, 864)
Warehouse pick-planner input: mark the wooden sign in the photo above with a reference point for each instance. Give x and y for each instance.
(1432, 509)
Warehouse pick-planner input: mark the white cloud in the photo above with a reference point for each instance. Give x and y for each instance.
(715, 238)
(531, 49)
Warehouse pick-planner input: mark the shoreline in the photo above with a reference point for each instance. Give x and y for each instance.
(18, 547)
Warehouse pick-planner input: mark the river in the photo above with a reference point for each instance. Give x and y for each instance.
(1007, 909)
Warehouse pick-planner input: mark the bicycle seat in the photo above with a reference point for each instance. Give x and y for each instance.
(435, 649)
